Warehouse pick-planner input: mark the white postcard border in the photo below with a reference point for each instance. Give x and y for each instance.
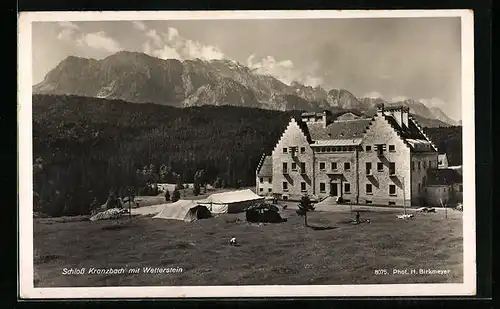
(25, 185)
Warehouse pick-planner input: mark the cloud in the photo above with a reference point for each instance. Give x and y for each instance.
(71, 32)
(399, 98)
(172, 33)
(166, 52)
(193, 49)
(433, 102)
(68, 25)
(99, 40)
(373, 95)
(283, 70)
(139, 25)
(172, 45)
(68, 31)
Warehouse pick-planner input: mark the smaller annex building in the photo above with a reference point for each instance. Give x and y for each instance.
(230, 202)
(185, 210)
(444, 186)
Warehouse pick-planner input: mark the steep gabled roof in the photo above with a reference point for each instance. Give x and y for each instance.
(348, 129)
(265, 168)
(436, 177)
(407, 132)
(412, 135)
(304, 127)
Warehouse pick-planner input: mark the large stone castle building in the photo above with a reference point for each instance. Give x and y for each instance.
(381, 160)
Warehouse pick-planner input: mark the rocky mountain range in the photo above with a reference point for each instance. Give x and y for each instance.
(140, 78)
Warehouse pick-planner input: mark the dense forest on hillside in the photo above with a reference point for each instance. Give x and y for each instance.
(448, 140)
(84, 147)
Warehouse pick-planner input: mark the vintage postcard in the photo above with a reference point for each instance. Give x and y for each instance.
(246, 154)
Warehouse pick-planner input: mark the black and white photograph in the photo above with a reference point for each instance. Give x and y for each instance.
(246, 154)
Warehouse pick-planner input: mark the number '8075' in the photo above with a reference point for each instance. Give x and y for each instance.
(381, 272)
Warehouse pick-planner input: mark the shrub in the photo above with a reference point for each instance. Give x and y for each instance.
(176, 195)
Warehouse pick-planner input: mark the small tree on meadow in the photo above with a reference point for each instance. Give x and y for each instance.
(176, 195)
(218, 183)
(112, 201)
(196, 188)
(305, 205)
(94, 206)
(167, 195)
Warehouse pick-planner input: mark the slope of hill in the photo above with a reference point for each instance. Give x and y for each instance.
(83, 147)
(440, 115)
(137, 77)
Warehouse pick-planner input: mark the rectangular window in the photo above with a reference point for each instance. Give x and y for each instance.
(413, 165)
(322, 187)
(270, 180)
(328, 149)
(285, 186)
(302, 149)
(269, 190)
(261, 180)
(392, 148)
(380, 166)
(368, 148)
(418, 165)
(424, 164)
(322, 166)
(285, 167)
(440, 162)
(380, 149)
(261, 189)
(392, 168)
(294, 166)
(430, 164)
(368, 202)
(347, 166)
(392, 203)
(302, 186)
(285, 150)
(368, 168)
(369, 188)
(334, 166)
(347, 188)
(392, 189)
(285, 198)
(303, 167)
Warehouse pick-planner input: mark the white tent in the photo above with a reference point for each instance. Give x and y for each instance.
(185, 210)
(230, 202)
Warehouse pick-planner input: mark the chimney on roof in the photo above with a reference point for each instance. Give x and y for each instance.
(400, 114)
(324, 117)
(380, 108)
(327, 118)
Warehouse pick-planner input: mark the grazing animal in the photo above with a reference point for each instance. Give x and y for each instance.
(232, 242)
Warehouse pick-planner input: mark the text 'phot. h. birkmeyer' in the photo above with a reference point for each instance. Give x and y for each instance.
(246, 154)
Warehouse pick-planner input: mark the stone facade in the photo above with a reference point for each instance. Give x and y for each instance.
(364, 161)
(381, 178)
(292, 152)
(335, 174)
(420, 164)
(264, 185)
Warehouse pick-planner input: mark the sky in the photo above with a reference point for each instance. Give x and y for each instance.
(391, 58)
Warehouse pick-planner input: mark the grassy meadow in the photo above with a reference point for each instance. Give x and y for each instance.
(330, 251)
